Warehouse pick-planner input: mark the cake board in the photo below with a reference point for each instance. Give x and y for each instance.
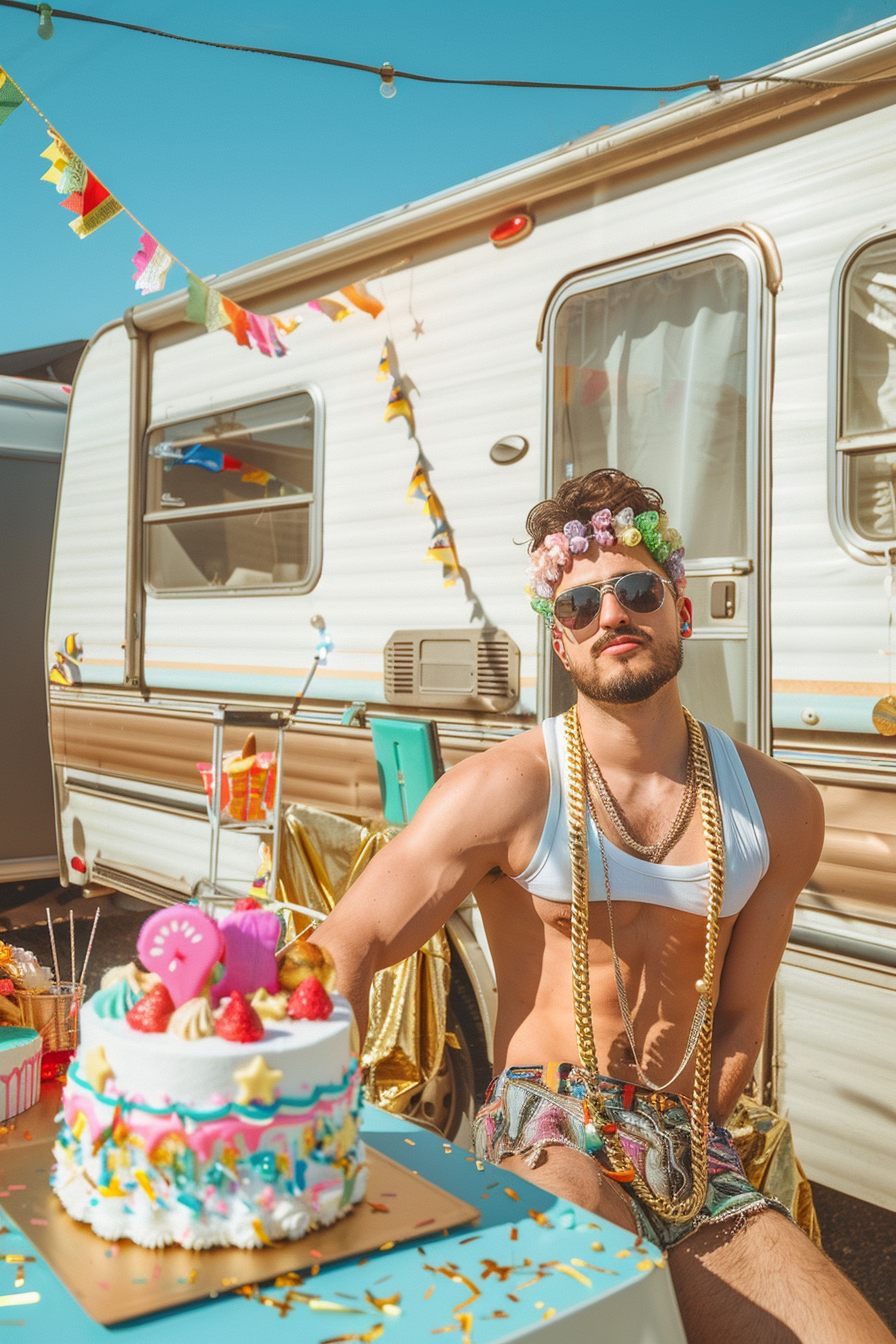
(118, 1281)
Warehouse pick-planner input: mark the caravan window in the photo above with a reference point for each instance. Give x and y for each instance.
(231, 499)
(650, 375)
(865, 411)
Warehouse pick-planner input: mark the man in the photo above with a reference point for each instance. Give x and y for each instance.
(657, 791)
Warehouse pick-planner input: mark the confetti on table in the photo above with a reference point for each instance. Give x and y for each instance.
(19, 1299)
(644, 1264)
(382, 1208)
(20, 1277)
(225, 1283)
(367, 1338)
(574, 1274)
(466, 1241)
(511, 1194)
(512, 1298)
(387, 1245)
(622, 1255)
(425, 1222)
(292, 1279)
(514, 1234)
(17, 1259)
(538, 1306)
(412, 1142)
(497, 1316)
(597, 1246)
(480, 1166)
(389, 1306)
(551, 1311)
(446, 1147)
(485, 1194)
(429, 1292)
(315, 1255)
(542, 1219)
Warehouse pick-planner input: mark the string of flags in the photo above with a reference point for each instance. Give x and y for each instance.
(93, 205)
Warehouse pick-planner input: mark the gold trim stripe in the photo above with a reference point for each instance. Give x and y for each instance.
(832, 687)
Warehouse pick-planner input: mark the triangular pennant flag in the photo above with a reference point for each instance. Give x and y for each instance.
(287, 325)
(433, 508)
(237, 322)
(382, 369)
(215, 316)
(357, 294)
(11, 96)
(441, 529)
(419, 486)
(398, 405)
(336, 312)
(60, 157)
(93, 204)
(152, 263)
(197, 299)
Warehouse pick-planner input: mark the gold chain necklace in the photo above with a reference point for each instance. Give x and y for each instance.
(600, 1129)
(657, 852)
(621, 994)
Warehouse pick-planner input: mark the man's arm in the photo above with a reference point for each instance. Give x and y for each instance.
(484, 813)
(794, 820)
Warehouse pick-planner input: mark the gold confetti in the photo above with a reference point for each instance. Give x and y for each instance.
(512, 1298)
(411, 1142)
(514, 1234)
(387, 1305)
(511, 1194)
(321, 1304)
(480, 1166)
(19, 1299)
(597, 1246)
(387, 1245)
(446, 1148)
(574, 1274)
(368, 1336)
(292, 1279)
(466, 1241)
(429, 1292)
(622, 1255)
(551, 1311)
(143, 1180)
(227, 1283)
(465, 1321)
(20, 1277)
(260, 1233)
(248, 1290)
(528, 1283)
(17, 1259)
(538, 1306)
(492, 1267)
(542, 1219)
(497, 1316)
(645, 1264)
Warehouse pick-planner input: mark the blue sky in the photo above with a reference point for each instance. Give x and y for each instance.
(226, 157)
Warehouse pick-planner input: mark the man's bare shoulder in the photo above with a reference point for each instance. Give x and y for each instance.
(791, 809)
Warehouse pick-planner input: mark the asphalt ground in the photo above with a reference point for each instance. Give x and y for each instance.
(859, 1237)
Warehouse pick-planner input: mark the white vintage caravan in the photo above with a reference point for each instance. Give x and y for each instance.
(708, 300)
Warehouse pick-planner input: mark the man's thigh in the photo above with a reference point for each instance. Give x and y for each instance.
(572, 1175)
(761, 1278)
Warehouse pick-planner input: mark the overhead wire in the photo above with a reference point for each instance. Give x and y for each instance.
(713, 83)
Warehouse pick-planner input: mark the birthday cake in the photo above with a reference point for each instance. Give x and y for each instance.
(20, 1050)
(206, 1112)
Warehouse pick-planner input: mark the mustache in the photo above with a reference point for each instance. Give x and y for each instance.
(633, 630)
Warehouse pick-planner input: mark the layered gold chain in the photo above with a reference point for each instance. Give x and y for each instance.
(618, 1164)
(653, 853)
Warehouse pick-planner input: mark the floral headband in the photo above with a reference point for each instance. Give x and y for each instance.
(554, 557)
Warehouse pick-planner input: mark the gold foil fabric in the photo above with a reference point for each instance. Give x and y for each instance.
(321, 856)
(764, 1144)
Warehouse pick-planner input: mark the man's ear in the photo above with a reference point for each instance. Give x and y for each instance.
(557, 645)
(686, 616)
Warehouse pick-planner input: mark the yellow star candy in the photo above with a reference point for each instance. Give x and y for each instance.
(256, 1082)
(98, 1069)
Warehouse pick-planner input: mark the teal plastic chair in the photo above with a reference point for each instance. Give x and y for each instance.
(408, 763)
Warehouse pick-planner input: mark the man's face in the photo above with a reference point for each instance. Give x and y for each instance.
(623, 657)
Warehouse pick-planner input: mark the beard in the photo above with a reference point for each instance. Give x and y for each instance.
(627, 686)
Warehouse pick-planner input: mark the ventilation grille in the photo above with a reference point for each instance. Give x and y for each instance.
(452, 669)
(399, 667)
(493, 668)
(152, 892)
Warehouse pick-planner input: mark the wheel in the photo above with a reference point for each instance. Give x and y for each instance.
(449, 1101)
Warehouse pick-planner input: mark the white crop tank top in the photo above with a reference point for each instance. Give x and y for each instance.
(680, 887)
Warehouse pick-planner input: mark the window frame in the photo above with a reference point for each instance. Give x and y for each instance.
(313, 501)
(843, 447)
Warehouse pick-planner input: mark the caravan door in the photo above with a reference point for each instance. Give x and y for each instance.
(659, 365)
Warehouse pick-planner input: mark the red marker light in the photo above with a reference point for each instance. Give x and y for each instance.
(512, 230)
(79, 865)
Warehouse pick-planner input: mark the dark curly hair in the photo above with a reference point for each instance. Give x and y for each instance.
(579, 498)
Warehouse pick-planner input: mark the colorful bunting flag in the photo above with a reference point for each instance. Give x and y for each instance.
(288, 325)
(358, 295)
(11, 96)
(419, 487)
(88, 198)
(397, 405)
(153, 264)
(382, 369)
(237, 322)
(441, 548)
(336, 312)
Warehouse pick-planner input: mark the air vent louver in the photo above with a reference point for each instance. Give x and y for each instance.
(452, 669)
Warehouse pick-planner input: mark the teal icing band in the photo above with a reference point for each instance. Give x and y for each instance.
(252, 1112)
(115, 1001)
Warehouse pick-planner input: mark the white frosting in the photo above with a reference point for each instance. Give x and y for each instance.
(160, 1067)
(20, 1052)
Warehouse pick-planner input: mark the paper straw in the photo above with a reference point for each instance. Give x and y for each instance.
(71, 931)
(53, 946)
(96, 915)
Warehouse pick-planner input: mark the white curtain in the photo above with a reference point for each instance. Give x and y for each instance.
(650, 376)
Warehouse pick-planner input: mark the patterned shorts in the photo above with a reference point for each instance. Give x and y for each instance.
(526, 1109)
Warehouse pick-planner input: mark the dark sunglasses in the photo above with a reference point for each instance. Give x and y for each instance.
(641, 592)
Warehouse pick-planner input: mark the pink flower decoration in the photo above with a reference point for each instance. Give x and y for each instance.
(601, 521)
(578, 545)
(575, 529)
(604, 538)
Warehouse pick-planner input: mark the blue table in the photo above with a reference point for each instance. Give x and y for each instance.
(561, 1276)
